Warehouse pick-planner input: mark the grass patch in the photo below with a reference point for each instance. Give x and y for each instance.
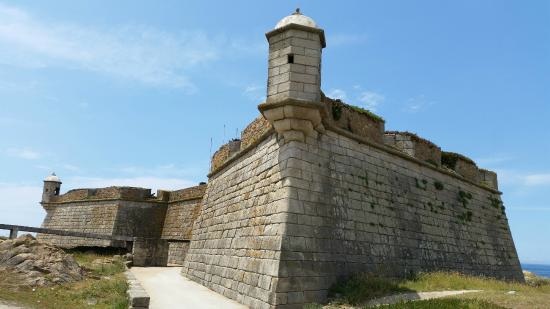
(103, 287)
(443, 303)
(363, 287)
(360, 289)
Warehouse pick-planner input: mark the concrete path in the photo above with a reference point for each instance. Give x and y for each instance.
(168, 289)
(393, 299)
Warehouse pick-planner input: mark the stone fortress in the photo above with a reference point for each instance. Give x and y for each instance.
(313, 192)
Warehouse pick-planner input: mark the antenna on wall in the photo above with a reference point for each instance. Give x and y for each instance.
(210, 157)
(224, 140)
(236, 133)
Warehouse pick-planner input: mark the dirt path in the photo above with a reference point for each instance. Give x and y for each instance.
(5, 305)
(392, 299)
(169, 289)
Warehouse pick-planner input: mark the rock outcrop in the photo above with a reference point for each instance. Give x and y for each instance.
(37, 264)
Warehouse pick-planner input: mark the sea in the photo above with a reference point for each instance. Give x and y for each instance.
(537, 269)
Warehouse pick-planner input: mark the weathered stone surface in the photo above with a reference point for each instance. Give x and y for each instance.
(281, 224)
(414, 146)
(36, 263)
(238, 234)
(354, 120)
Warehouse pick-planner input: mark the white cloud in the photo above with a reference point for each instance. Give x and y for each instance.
(337, 94)
(364, 98)
(417, 103)
(341, 39)
(255, 93)
(493, 160)
(523, 179)
(136, 53)
(20, 205)
(23, 153)
(537, 180)
(144, 182)
(370, 100)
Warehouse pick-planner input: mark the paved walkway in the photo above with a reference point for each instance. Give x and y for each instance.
(169, 289)
(392, 299)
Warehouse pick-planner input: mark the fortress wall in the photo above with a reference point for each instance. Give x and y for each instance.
(97, 217)
(140, 219)
(356, 208)
(237, 236)
(129, 193)
(177, 250)
(180, 216)
(121, 218)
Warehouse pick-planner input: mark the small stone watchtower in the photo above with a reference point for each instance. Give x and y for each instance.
(52, 187)
(293, 104)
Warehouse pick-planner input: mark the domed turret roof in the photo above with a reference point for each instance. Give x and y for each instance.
(53, 177)
(296, 18)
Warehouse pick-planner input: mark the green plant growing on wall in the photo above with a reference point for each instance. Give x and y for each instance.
(421, 184)
(466, 216)
(464, 197)
(336, 112)
(365, 178)
(438, 185)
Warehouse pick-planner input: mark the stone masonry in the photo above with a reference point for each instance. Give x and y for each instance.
(314, 191)
(328, 194)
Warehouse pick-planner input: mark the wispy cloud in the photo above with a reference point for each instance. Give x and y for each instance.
(370, 100)
(144, 182)
(415, 104)
(367, 99)
(135, 53)
(255, 93)
(23, 153)
(341, 39)
(523, 179)
(494, 160)
(19, 204)
(337, 94)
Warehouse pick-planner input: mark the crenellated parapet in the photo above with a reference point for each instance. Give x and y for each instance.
(426, 151)
(414, 146)
(353, 119)
(191, 193)
(108, 193)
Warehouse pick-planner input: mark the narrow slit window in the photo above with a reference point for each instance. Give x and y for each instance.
(290, 58)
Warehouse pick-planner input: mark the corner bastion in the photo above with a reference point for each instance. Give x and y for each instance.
(322, 192)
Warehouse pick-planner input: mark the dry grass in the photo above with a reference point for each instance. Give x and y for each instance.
(533, 294)
(104, 287)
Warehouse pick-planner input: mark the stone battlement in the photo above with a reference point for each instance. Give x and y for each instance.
(123, 193)
(365, 125)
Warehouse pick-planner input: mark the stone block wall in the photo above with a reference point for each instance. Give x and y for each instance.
(356, 208)
(462, 165)
(284, 221)
(294, 65)
(140, 219)
(180, 216)
(225, 152)
(354, 120)
(414, 146)
(150, 252)
(237, 237)
(98, 218)
(255, 130)
(177, 250)
(106, 217)
(128, 193)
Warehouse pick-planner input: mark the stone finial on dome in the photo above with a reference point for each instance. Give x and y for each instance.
(296, 18)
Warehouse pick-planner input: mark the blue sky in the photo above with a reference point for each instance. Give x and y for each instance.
(131, 93)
